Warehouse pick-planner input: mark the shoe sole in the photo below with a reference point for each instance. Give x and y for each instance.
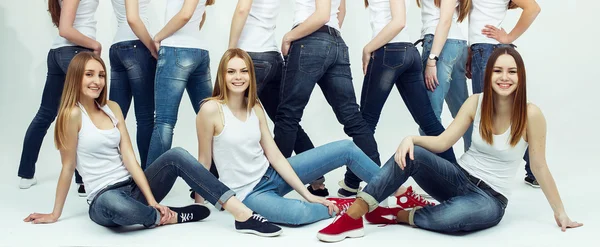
(339, 237)
(262, 234)
(82, 194)
(27, 187)
(532, 185)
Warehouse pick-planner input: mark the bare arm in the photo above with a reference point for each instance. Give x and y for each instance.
(398, 11)
(178, 21)
(319, 18)
(536, 136)
(68, 156)
(205, 130)
(138, 27)
(67, 31)
(342, 13)
(242, 10)
(530, 11)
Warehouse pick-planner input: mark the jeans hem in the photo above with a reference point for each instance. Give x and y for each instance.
(223, 199)
(369, 199)
(411, 216)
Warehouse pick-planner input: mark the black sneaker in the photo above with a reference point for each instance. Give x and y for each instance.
(81, 191)
(320, 192)
(531, 182)
(346, 191)
(258, 225)
(191, 213)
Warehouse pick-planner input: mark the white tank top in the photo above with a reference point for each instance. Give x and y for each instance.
(495, 164)
(98, 156)
(237, 153)
(485, 12)
(305, 8)
(85, 22)
(189, 35)
(124, 32)
(381, 15)
(430, 15)
(258, 34)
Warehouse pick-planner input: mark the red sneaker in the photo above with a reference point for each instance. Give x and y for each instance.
(340, 201)
(410, 199)
(383, 215)
(343, 227)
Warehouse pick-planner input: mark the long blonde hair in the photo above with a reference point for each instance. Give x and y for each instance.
(464, 7)
(71, 92)
(220, 88)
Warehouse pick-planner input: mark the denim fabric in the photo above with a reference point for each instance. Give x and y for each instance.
(178, 69)
(399, 64)
(132, 75)
(463, 206)
(321, 58)
(58, 62)
(451, 77)
(267, 198)
(124, 204)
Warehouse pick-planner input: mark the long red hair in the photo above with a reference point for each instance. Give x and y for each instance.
(54, 9)
(519, 112)
(464, 7)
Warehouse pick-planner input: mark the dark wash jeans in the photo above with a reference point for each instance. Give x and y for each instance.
(124, 204)
(58, 62)
(321, 58)
(132, 75)
(399, 64)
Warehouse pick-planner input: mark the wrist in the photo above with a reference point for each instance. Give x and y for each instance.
(288, 37)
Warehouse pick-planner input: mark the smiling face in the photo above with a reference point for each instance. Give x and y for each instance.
(93, 80)
(505, 77)
(237, 76)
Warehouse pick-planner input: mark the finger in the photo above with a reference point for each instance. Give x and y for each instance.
(575, 224)
(437, 83)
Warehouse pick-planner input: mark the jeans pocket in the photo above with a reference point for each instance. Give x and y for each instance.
(394, 57)
(312, 57)
(185, 58)
(66, 54)
(262, 70)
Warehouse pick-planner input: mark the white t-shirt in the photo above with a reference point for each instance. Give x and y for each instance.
(85, 22)
(430, 16)
(124, 32)
(305, 8)
(485, 12)
(189, 35)
(258, 34)
(381, 15)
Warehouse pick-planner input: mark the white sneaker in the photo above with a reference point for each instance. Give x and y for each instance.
(26, 183)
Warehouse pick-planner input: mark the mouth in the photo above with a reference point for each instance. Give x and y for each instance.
(238, 84)
(94, 88)
(504, 85)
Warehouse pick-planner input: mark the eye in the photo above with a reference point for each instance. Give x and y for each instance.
(102, 76)
(230, 72)
(245, 71)
(513, 72)
(497, 70)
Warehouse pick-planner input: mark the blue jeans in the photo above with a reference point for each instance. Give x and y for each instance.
(451, 77)
(267, 198)
(132, 75)
(480, 55)
(124, 204)
(178, 69)
(58, 62)
(321, 58)
(463, 205)
(268, 68)
(399, 64)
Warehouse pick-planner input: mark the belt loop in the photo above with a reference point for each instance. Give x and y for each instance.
(478, 182)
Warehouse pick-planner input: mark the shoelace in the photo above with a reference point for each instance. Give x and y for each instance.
(420, 199)
(186, 217)
(259, 218)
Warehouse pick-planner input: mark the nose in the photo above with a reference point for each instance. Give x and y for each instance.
(504, 76)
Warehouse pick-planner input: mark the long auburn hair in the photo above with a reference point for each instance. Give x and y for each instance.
(71, 92)
(464, 7)
(210, 2)
(519, 112)
(54, 9)
(220, 88)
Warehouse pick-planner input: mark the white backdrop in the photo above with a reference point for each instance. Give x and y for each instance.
(559, 52)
